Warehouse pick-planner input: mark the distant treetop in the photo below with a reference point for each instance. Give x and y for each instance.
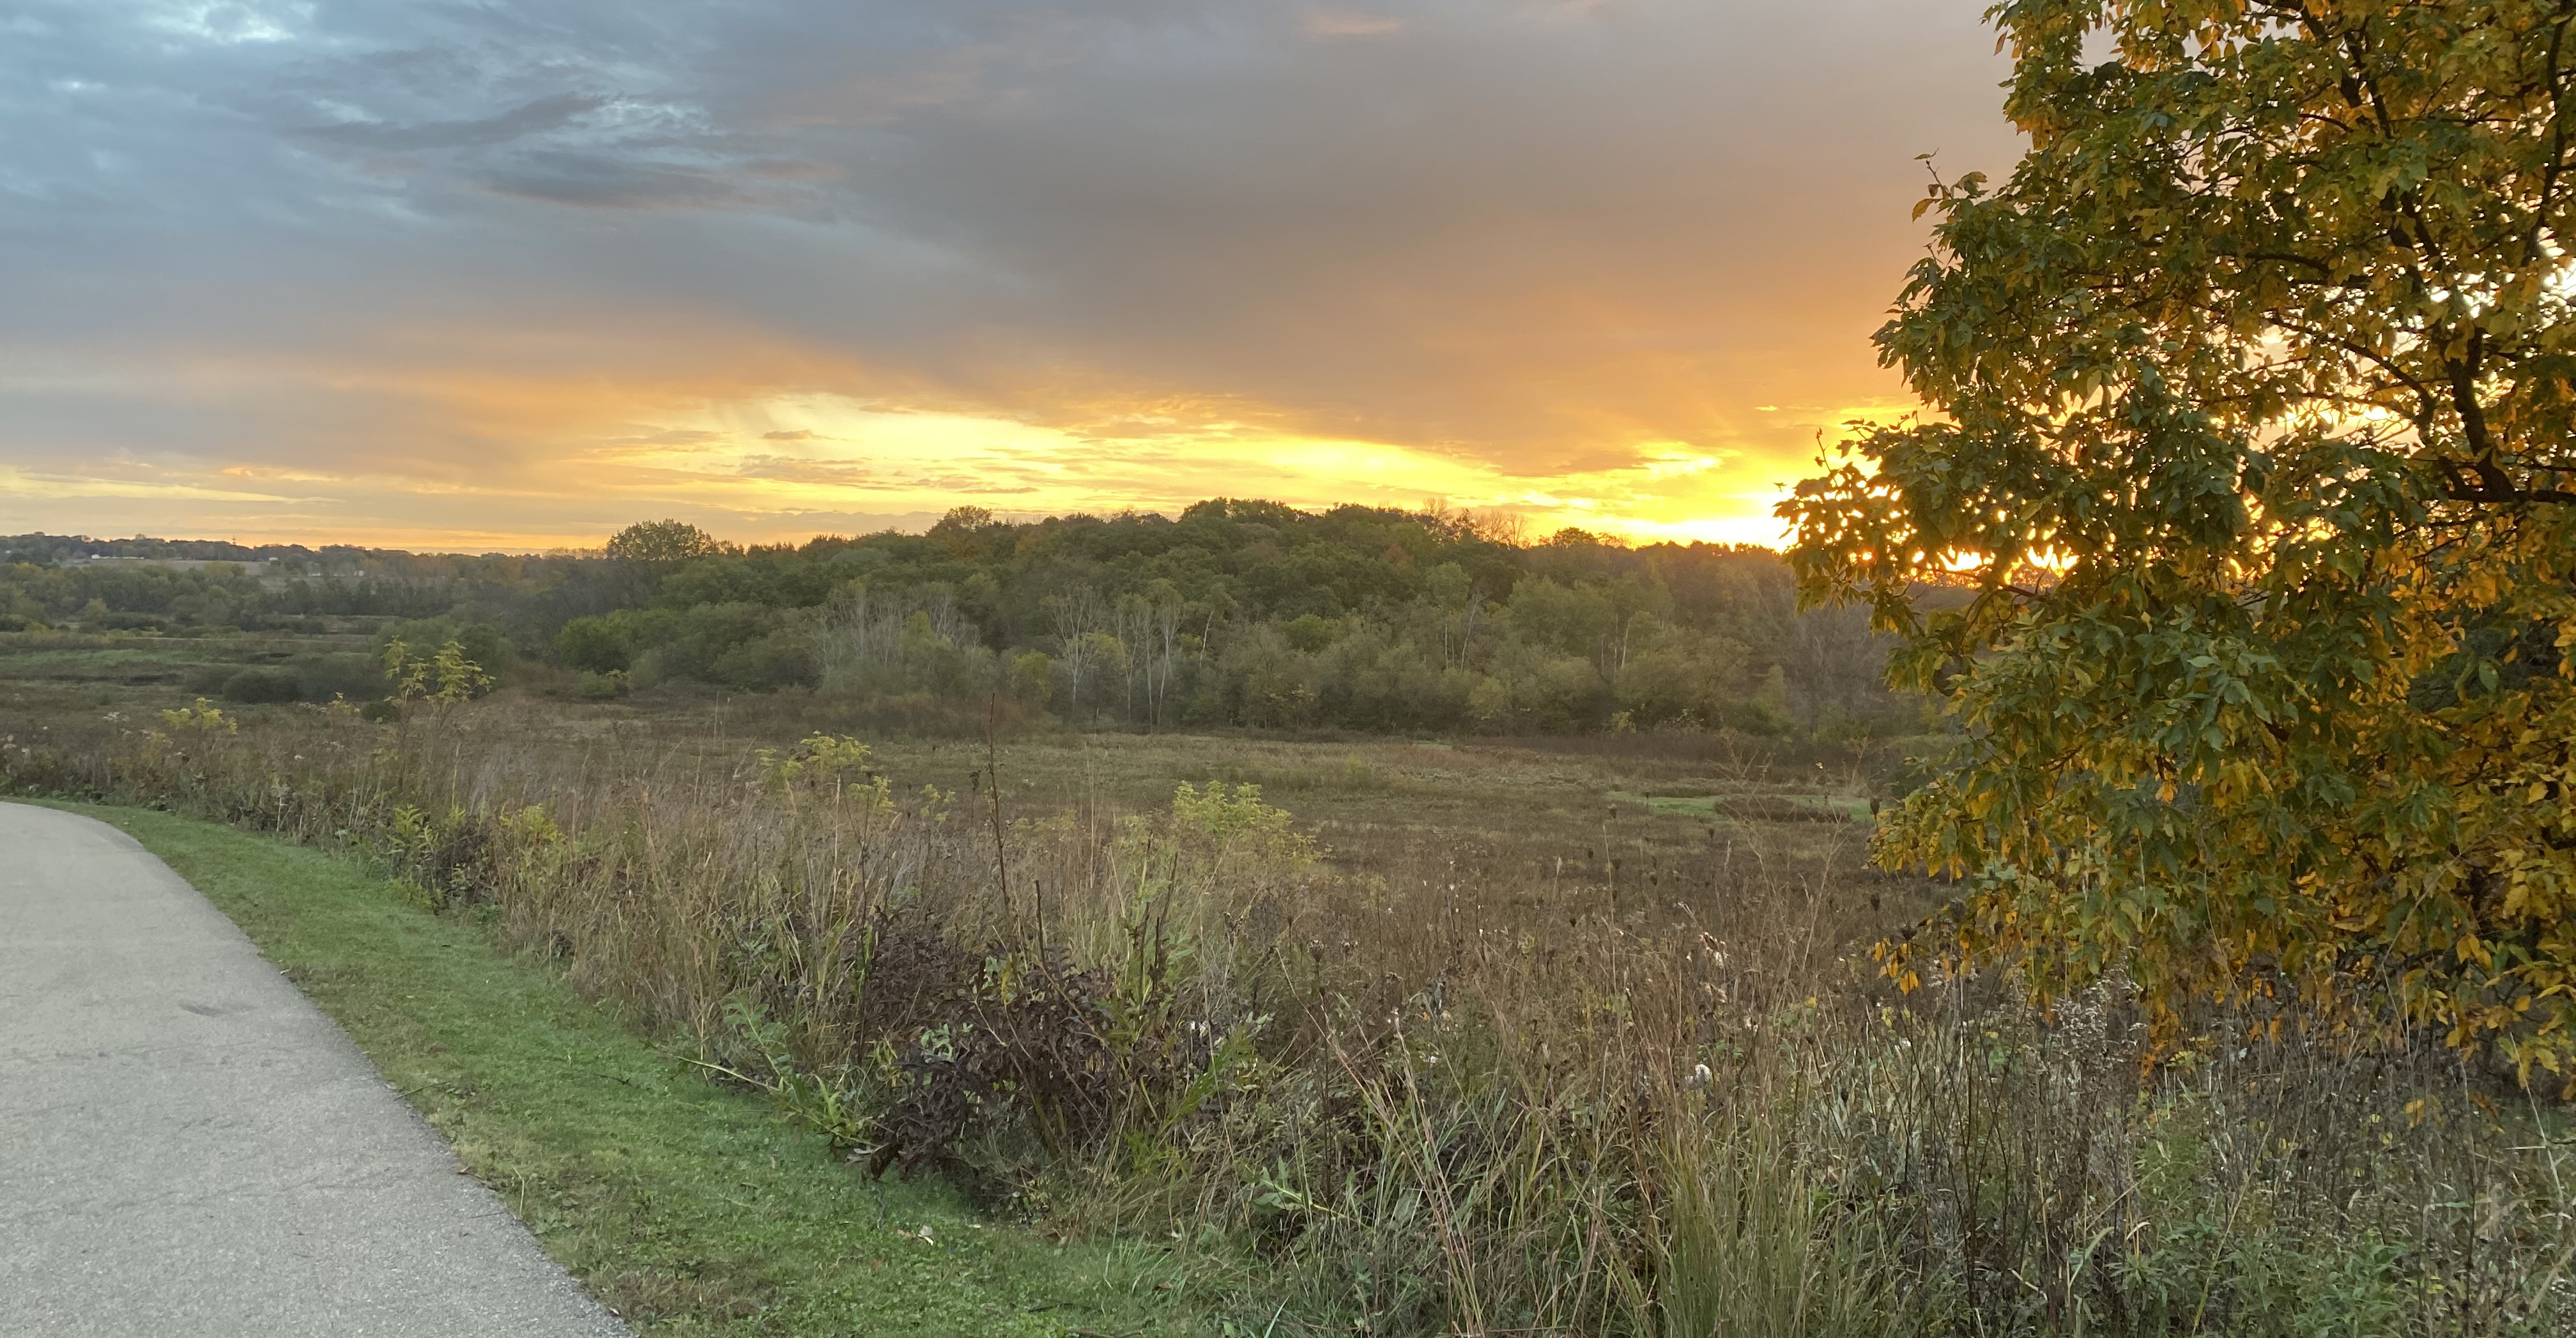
(964, 518)
(663, 541)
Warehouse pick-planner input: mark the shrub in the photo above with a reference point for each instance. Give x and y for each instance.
(780, 659)
(319, 678)
(1032, 678)
(594, 645)
(447, 675)
(481, 643)
(261, 685)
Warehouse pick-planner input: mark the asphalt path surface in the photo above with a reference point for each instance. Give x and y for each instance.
(189, 1147)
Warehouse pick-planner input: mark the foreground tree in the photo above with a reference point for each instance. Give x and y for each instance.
(2255, 390)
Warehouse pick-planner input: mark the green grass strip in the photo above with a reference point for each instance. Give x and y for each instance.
(688, 1207)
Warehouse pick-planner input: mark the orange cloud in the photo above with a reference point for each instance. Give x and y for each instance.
(805, 267)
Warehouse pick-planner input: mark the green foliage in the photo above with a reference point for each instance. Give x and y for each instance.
(1308, 633)
(740, 645)
(2255, 398)
(262, 685)
(321, 678)
(189, 586)
(203, 717)
(1242, 613)
(1235, 613)
(963, 520)
(662, 542)
(481, 642)
(1754, 1246)
(444, 677)
(1682, 677)
(1032, 677)
(821, 761)
(1242, 826)
(594, 645)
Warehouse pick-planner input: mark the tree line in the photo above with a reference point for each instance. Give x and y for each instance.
(1234, 613)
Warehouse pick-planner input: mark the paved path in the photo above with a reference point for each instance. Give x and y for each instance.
(188, 1147)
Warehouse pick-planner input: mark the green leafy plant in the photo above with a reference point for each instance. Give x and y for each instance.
(835, 763)
(202, 717)
(444, 677)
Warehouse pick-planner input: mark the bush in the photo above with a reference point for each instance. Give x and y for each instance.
(594, 645)
(319, 678)
(480, 642)
(781, 659)
(261, 685)
(744, 646)
(1032, 678)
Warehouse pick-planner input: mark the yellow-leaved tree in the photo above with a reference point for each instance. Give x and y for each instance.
(2255, 440)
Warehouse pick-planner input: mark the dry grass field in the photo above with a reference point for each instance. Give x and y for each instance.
(1569, 1036)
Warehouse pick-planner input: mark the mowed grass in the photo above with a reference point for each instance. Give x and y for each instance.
(687, 1207)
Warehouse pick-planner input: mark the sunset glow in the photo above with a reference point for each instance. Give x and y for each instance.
(490, 279)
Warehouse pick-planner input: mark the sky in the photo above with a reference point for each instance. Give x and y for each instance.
(509, 274)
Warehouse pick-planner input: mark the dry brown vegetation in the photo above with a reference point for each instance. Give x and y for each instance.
(1417, 1038)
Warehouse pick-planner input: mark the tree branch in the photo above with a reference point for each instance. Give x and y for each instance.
(2484, 481)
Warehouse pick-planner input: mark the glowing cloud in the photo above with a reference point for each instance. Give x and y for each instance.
(510, 275)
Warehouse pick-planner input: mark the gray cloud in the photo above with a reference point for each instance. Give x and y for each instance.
(537, 117)
(610, 181)
(394, 234)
